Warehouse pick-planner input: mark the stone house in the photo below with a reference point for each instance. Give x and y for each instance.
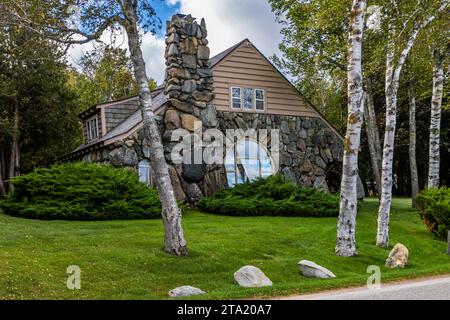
(237, 89)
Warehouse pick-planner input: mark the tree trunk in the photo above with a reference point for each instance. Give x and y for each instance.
(346, 241)
(412, 146)
(14, 149)
(435, 126)
(393, 73)
(373, 136)
(2, 184)
(175, 242)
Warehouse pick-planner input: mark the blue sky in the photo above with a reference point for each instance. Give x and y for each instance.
(228, 22)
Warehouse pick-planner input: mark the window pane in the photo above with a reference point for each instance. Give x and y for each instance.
(248, 98)
(259, 94)
(236, 93)
(259, 105)
(236, 103)
(144, 172)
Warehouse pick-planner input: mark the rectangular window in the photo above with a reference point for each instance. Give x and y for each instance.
(92, 128)
(248, 99)
(236, 98)
(260, 99)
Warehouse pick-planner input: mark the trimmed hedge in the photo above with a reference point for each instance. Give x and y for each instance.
(274, 196)
(434, 209)
(81, 191)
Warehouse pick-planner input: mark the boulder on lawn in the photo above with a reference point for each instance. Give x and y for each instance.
(186, 291)
(313, 270)
(398, 258)
(252, 277)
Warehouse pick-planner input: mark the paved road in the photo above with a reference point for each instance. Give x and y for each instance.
(429, 289)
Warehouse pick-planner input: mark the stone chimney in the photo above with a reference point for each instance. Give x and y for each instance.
(189, 89)
(189, 81)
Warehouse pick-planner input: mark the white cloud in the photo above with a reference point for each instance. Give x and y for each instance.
(152, 50)
(230, 21)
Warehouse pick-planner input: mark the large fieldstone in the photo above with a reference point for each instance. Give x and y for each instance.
(313, 270)
(186, 291)
(252, 277)
(398, 258)
(172, 120)
(188, 122)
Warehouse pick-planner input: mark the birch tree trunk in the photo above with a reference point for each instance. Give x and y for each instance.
(175, 242)
(393, 72)
(346, 241)
(14, 148)
(412, 145)
(435, 126)
(373, 136)
(2, 184)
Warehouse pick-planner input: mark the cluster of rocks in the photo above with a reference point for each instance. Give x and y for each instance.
(253, 277)
(308, 147)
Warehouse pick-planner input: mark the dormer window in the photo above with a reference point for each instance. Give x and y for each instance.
(92, 128)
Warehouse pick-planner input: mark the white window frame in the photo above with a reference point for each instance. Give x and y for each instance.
(92, 128)
(233, 98)
(263, 100)
(145, 165)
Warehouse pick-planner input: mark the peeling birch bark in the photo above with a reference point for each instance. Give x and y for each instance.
(346, 240)
(393, 72)
(412, 145)
(435, 126)
(14, 149)
(175, 242)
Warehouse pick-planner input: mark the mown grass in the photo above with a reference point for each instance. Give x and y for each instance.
(124, 259)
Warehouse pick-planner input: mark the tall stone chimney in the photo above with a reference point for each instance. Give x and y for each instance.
(189, 81)
(189, 87)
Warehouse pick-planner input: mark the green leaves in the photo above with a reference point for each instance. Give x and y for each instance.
(82, 191)
(434, 209)
(274, 196)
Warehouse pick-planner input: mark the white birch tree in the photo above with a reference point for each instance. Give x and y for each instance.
(412, 145)
(346, 229)
(394, 67)
(53, 19)
(435, 125)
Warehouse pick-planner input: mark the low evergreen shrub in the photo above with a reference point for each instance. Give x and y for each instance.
(273, 196)
(81, 191)
(434, 209)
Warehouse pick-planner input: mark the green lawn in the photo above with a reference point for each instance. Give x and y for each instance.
(124, 259)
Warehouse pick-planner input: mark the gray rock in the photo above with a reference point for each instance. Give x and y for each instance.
(321, 184)
(252, 277)
(312, 270)
(289, 175)
(189, 86)
(123, 156)
(186, 291)
(398, 258)
(193, 173)
(190, 61)
(173, 50)
(209, 116)
(203, 53)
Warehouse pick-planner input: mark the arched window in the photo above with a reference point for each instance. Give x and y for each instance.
(145, 172)
(246, 161)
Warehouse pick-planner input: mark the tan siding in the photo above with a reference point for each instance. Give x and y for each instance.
(245, 67)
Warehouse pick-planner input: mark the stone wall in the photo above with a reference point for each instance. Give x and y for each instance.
(308, 148)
